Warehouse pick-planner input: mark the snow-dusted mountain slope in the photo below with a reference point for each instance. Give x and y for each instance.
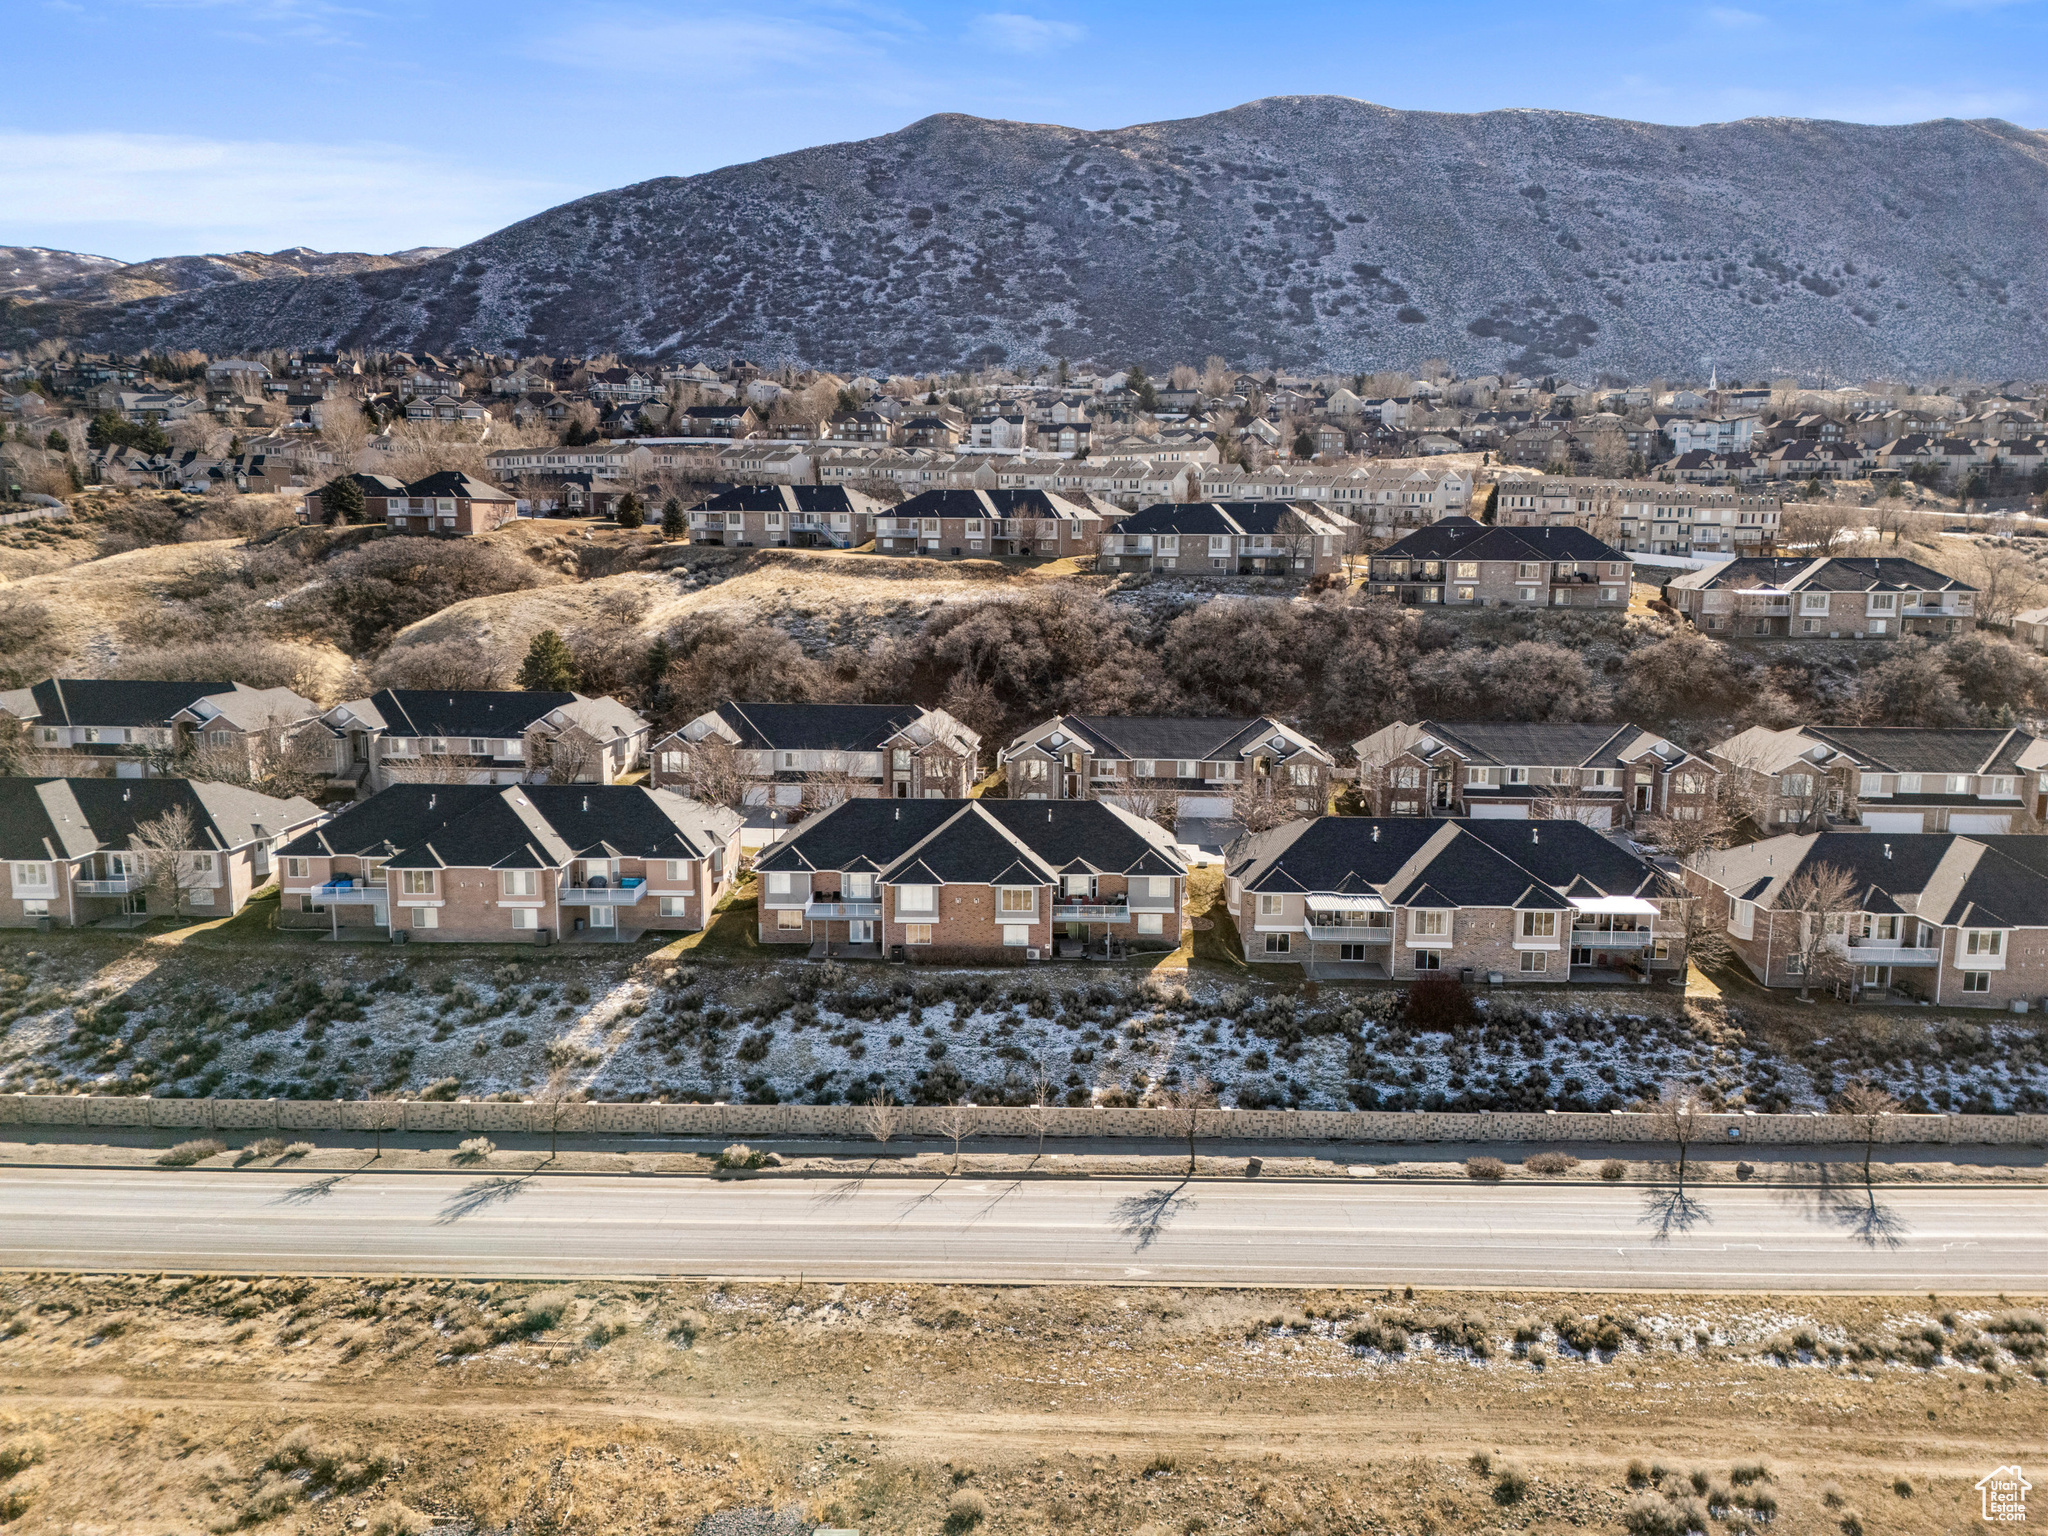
(1294, 230)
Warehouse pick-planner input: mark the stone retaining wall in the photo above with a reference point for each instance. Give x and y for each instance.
(791, 1121)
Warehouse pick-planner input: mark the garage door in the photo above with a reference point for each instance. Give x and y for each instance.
(1978, 823)
(1893, 821)
(1601, 816)
(1213, 807)
(1484, 812)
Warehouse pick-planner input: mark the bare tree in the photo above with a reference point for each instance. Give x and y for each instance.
(1259, 806)
(1185, 1102)
(878, 1115)
(958, 1123)
(1678, 1115)
(824, 788)
(1686, 838)
(281, 757)
(1143, 797)
(346, 432)
(1572, 802)
(426, 768)
(1818, 900)
(1702, 929)
(1041, 1098)
(166, 845)
(566, 758)
(717, 773)
(1867, 1104)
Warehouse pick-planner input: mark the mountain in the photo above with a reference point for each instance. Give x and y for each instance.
(1295, 231)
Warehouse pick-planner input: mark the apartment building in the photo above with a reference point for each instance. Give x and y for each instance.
(479, 736)
(973, 881)
(1888, 778)
(1186, 767)
(1401, 898)
(514, 863)
(952, 524)
(1829, 598)
(1601, 775)
(447, 502)
(1462, 563)
(133, 729)
(1230, 539)
(69, 846)
(1645, 516)
(786, 516)
(1940, 917)
(797, 756)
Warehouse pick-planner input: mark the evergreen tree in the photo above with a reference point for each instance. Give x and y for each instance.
(1304, 445)
(57, 442)
(549, 667)
(674, 522)
(1141, 389)
(342, 500)
(660, 657)
(1065, 373)
(629, 513)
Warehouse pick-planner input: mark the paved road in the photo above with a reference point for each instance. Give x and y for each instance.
(1952, 1239)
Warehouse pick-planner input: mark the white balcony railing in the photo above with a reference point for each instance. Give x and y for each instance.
(117, 885)
(1339, 933)
(350, 893)
(1091, 911)
(624, 894)
(827, 911)
(1615, 938)
(1867, 952)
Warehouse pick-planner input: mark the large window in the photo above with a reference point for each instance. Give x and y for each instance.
(1271, 904)
(426, 917)
(417, 882)
(519, 882)
(1019, 899)
(917, 933)
(1016, 935)
(1983, 941)
(1976, 981)
(1534, 962)
(917, 898)
(1429, 925)
(1539, 925)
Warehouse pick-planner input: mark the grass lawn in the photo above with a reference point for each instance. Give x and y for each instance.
(1217, 947)
(733, 933)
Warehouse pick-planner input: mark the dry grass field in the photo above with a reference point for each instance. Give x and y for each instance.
(176, 1404)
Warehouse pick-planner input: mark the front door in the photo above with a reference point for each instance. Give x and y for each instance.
(603, 917)
(860, 932)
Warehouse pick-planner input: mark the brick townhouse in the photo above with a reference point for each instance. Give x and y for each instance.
(975, 524)
(383, 488)
(135, 728)
(1834, 597)
(786, 516)
(1888, 778)
(482, 736)
(791, 755)
(1602, 775)
(1938, 917)
(973, 881)
(1462, 563)
(512, 863)
(1401, 898)
(70, 849)
(1185, 766)
(447, 502)
(1231, 539)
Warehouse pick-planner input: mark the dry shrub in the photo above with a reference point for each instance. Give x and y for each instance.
(259, 663)
(1488, 1170)
(469, 1342)
(965, 1510)
(1511, 1483)
(394, 1519)
(299, 1149)
(475, 1149)
(1550, 1164)
(269, 1146)
(452, 664)
(18, 1455)
(687, 1328)
(186, 1153)
(1614, 1168)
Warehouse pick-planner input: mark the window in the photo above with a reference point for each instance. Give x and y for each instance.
(1428, 925)
(1276, 943)
(1998, 786)
(1152, 922)
(1813, 602)
(202, 864)
(1271, 905)
(526, 919)
(779, 882)
(297, 869)
(917, 898)
(1869, 783)
(219, 738)
(675, 906)
(1534, 961)
(203, 897)
(1019, 899)
(917, 933)
(860, 887)
(479, 747)
(49, 735)
(1015, 935)
(1959, 783)
(1468, 570)
(1407, 778)
(32, 875)
(1983, 941)
(1516, 776)
(1478, 775)
(1426, 960)
(1976, 981)
(1796, 785)
(1142, 767)
(787, 918)
(1539, 925)
(1560, 775)
(426, 917)
(519, 882)
(417, 882)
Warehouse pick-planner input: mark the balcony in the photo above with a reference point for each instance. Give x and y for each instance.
(1868, 952)
(1091, 912)
(1613, 938)
(119, 885)
(344, 893)
(1340, 933)
(629, 890)
(830, 911)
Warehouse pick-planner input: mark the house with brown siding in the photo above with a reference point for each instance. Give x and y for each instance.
(786, 516)
(1838, 597)
(1460, 563)
(797, 756)
(516, 863)
(486, 736)
(1187, 766)
(1403, 898)
(69, 846)
(978, 524)
(1000, 881)
(1888, 778)
(132, 728)
(448, 502)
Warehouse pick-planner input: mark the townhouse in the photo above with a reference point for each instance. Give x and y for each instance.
(531, 863)
(973, 881)
(1601, 775)
(797, 756)
(384, 488)
(136, 729)
(1402, 898)
(1185, 767)
(1462, 563)
(446, 502)
(479, 736)
(786, 516)
(1829, 598)
(1939, 917)
(1887, 778)
(978, 524)
(601, 461)
(72, 857)
(1695, 520)
(1230, 539)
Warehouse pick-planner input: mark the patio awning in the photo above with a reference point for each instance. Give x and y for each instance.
(1344, 904)
(1618, 906)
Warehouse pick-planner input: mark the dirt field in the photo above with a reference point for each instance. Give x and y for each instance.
(175, 1404)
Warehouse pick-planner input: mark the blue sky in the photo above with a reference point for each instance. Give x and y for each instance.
(138, 128)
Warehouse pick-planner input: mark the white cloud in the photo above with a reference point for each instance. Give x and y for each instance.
(718, 50)
(161, 193)
(1016, 33)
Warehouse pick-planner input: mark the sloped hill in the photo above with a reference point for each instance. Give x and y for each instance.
(1294, 230)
